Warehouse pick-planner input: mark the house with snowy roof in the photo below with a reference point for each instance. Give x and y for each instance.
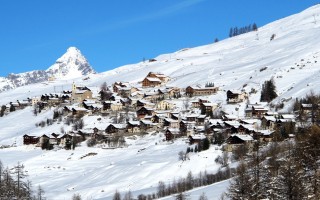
(154, 80)
(236, 140)
(236, 96)
(200, 91)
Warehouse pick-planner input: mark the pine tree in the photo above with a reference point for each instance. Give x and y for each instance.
(235, 31)
(231, 32)
(254, 27)
(268, 91)
(206, 144)
(239, 187)
(289, 183)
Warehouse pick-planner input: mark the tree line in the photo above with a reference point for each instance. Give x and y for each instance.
(284, 170)
(234, 31)
(178, 187)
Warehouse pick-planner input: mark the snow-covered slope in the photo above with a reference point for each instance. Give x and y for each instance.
(70, 65)
(292, 58)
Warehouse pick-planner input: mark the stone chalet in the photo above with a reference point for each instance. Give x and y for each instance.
(80, 93)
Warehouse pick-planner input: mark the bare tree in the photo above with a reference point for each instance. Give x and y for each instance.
(161, 191)
(76, 197)
(116, 196)
(128, 196)
(40, 194)
(203, 197)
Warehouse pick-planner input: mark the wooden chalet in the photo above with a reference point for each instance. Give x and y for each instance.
(235, 140)
(268, 122)
(30, 139)
(144, 111)
(198, 91)
(236, 96)
(154, 80)
(192, 117)
(133, 126)
(264, 135)
(208, 107)
(158, 118)
(143, 103)
(200, 120)
(118, 86)
(197, 104)
(171, 123)
(171, 134)
(151, 82)
(116, 128)
(79, 111)
(196, 138)
(255, 111)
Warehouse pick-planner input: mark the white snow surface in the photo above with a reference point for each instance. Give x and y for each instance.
(292, 59)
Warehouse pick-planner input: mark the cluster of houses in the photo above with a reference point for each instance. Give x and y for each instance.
(155, 107)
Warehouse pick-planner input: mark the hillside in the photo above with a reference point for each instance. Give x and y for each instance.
(291, 59)
(243, 62)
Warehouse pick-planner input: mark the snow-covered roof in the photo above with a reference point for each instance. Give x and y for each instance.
(243, 137)
(270, 118)
(137, 123)
(236, 124)
(119, 126)
(154, 79)
(249, 121)
(209, 104)
(192, 116)
(198, 136)
(266, 132)
(171, 120)
(235, 91)
(288, 116)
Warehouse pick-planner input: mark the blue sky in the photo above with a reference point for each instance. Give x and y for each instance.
(112, 33)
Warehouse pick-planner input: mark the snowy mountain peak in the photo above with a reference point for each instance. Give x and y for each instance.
(72, 64)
